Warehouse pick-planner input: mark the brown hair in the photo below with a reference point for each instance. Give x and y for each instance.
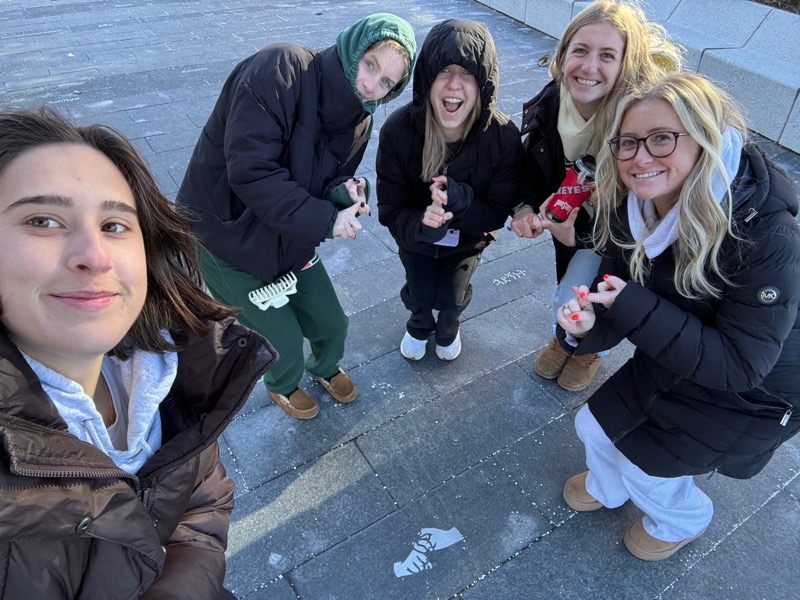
(175, 297)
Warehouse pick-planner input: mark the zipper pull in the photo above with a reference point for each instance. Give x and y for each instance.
(786, 416)
(751, 214)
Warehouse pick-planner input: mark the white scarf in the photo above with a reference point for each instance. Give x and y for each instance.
(642, 213)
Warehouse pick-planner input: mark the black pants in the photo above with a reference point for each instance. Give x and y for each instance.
(437, 284)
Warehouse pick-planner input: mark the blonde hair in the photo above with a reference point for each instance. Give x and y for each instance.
(435, 155)
(649, 54)
(401, 51)
(703, 221)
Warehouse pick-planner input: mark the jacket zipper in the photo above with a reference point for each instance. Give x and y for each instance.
(53, 471)
(786, 408)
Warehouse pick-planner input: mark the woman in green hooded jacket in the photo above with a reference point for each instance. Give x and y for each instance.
(272, 176)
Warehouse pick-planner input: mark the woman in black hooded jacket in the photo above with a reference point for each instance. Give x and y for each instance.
(447, 172)
(702, 254)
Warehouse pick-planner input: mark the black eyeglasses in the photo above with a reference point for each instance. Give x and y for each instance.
(659, 144)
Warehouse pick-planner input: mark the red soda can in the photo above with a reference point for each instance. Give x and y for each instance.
(576, 189)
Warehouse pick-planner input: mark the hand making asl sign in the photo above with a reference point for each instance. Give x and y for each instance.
(528, 224)
(347, 224)
(435, 215)
(577, 316)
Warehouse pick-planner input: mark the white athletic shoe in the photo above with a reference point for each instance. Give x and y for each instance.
(412, 348)
(452, 351)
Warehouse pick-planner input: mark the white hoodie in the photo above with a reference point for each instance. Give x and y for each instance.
(137, 386)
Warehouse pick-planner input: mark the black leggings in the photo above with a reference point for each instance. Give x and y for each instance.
(441, 284)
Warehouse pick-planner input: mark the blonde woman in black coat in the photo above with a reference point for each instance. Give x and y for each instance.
(700, 272)
(447, 172)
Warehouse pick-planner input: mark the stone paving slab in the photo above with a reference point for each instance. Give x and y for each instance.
(301, 514)
(582, 558)
(490, 341)
(526, 272)
(373, 283)
(374, 332)
(764, 546)
(341, 255)
(540, 462)
(269, 443)
(489, 511)
(455, 431)
(280, 589)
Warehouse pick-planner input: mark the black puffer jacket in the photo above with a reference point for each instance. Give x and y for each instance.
(543, 167)
(715, 384)
(482, 176)
(73, 525)
(286, 129)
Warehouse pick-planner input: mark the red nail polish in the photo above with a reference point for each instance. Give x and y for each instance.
(606, 276)
(583, 294)
(362, 205)
(575, 317)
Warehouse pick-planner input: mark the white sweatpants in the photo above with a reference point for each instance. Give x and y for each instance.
(675, 508)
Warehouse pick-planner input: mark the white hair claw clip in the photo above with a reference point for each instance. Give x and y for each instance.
(274, 294)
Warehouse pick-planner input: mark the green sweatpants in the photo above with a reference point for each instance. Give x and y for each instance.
(313, 313)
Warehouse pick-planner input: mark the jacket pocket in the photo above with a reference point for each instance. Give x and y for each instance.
(234, 226)
(762, 404)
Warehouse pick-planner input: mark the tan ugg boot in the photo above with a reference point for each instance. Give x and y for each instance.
(576, 496)
(645, 547)
(579, 371)
(551, 360)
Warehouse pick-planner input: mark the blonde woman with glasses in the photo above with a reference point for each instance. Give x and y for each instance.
(700, 273)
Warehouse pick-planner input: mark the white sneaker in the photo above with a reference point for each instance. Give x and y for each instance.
(452, 351)
(412, 348)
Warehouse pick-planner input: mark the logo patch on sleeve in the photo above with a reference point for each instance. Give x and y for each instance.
(768, 295)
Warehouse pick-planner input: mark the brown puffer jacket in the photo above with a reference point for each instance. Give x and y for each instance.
(73, 525)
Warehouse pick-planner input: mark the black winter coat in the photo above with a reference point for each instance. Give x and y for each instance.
(286, 129)
(484, 172)
(543, 166)
(73, 525)
(713, 384)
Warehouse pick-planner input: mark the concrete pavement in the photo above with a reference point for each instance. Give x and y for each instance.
(325, 508)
